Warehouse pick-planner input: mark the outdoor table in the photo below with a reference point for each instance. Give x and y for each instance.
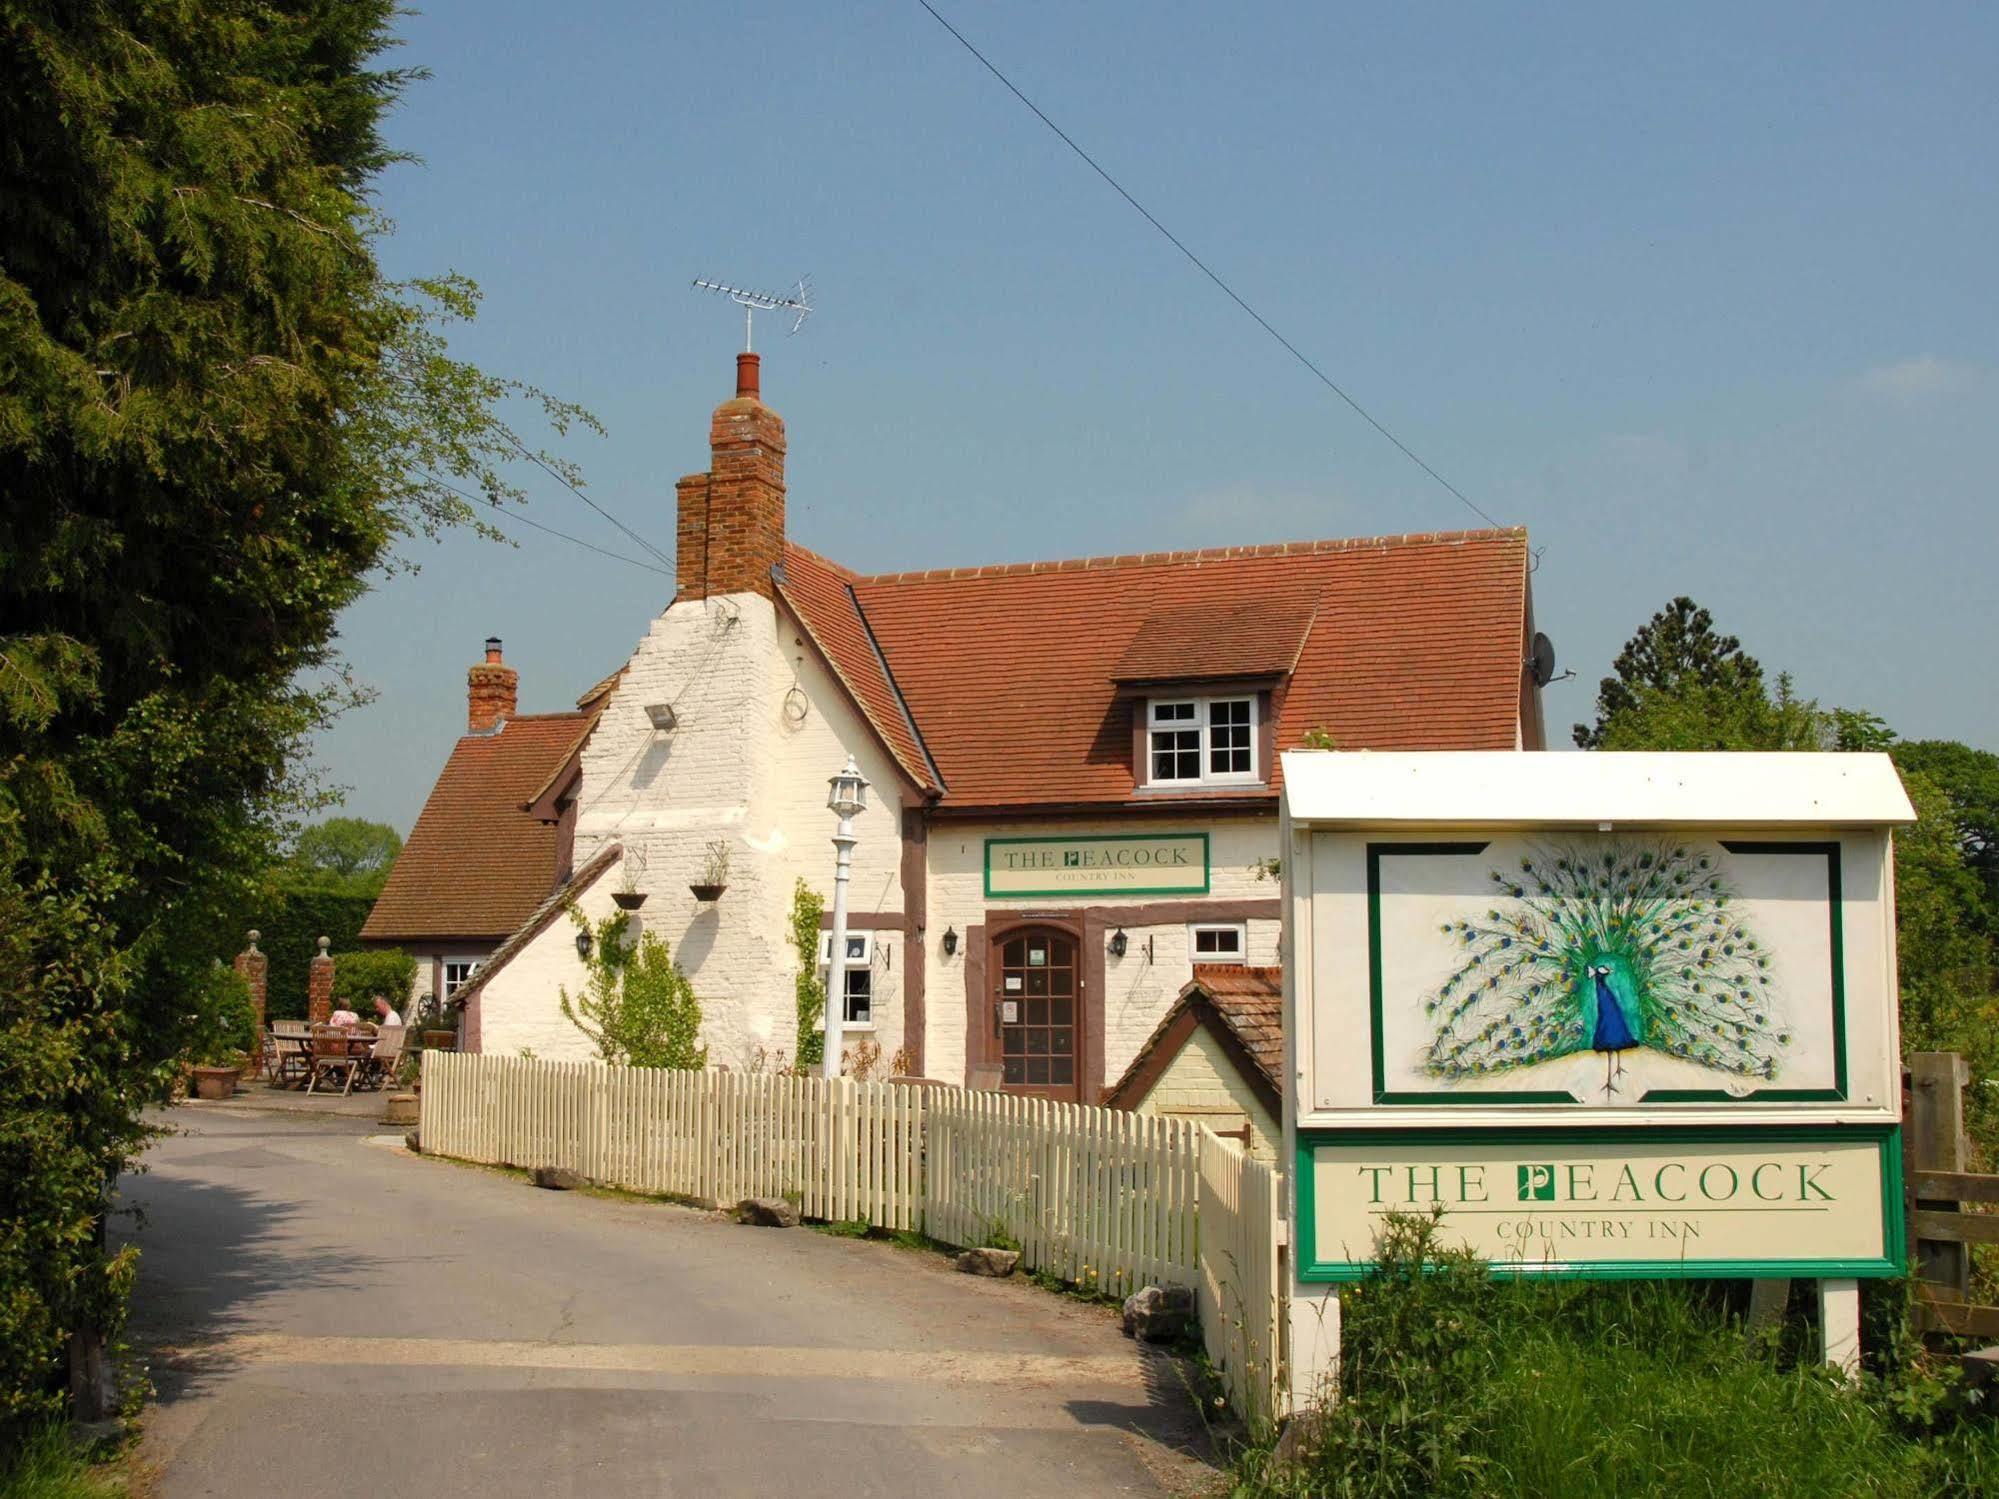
(359, 1045)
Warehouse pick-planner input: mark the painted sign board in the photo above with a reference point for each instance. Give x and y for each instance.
(1612, 1202)
(1098, 864)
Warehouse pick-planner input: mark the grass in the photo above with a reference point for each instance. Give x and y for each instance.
(48, 1466)
(1462, 1385)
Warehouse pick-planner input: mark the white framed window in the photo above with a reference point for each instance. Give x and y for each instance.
(1201, 741)
(1218, 941)
(458, 973)
(859, 1012)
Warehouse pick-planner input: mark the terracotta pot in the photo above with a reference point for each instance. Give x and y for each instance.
(440, 1040)
(705, 893)
(629, 900)
(215, 1083)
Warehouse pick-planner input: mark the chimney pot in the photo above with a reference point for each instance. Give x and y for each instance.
(749, 378)
(493, 649)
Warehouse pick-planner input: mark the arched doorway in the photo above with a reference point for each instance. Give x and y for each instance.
(1036, 979)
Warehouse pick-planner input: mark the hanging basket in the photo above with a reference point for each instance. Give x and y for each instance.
(628, 900)
(706, 893)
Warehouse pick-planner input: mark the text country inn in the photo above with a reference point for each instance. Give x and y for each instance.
(1074, 771)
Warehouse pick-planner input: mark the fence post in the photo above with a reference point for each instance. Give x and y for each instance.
(1936, 1143)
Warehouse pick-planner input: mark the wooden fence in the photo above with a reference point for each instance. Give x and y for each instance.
(1935, 1154)
(1103, 1198)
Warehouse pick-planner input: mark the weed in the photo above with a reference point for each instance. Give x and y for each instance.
(48, 1466)
(845, 1228)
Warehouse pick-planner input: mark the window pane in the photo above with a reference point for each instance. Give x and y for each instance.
(1010, 954)
(857, 947)
(1059, 1011)
(1011, 1040)
(1162, 765)
(1016, 1070)
(1037, 1043)
(1064, 1041)
(1060, 980)
(1037, 1069)
(1172, 712)
(1061, 1070)
(1036, 1012)
(1187, 765)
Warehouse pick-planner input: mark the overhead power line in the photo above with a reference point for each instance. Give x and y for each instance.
(557, 475)
(1202, 266)
(526, 520)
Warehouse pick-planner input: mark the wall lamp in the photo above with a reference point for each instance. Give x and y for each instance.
(583, 945)
(950, 941)
(1119, 942)
(662, 716)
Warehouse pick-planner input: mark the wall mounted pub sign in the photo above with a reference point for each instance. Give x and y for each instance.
(1098, 864)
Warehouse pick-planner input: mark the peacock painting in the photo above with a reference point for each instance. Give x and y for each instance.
(1609, 949)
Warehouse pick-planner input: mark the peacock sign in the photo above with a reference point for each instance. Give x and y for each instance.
(1608, 1014)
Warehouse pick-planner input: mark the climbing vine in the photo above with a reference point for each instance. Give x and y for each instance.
(638, 1009)
(806, 906)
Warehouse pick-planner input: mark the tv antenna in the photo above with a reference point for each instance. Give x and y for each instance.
(753, 302)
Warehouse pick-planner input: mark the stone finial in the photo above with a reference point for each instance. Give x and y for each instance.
(254, 935)
(324, 943)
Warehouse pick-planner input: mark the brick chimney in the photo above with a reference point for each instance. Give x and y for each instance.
(490, 691)
(731, 519)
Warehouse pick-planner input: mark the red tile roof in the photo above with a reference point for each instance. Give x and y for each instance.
(476, 865)
(1414, 642)
(821, 594)
(1242, 1007)
(1258, 636)
(537, 922)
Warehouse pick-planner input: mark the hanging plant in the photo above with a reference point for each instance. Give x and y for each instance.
(628, 896)
(715, 873)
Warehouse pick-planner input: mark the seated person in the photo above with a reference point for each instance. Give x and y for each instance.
(385, 1013)
(343, 1017)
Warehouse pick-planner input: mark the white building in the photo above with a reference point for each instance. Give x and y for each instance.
(1073, 766)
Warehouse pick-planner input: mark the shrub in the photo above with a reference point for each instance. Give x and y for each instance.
(638, 1008)
(296, 916)
(1455, 1382)
(225, 1029)
(359, 976)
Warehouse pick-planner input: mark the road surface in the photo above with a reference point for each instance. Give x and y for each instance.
(326, 1314)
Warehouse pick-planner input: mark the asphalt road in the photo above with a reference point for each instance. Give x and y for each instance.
(326, 1314)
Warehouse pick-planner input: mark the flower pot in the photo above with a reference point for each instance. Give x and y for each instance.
(706, 893)
(215, 1083)
(629, 900)
(440, 1040)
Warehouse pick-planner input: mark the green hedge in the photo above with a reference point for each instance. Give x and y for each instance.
(359, 976)
(292, 926)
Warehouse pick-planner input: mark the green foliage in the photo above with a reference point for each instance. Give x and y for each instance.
(997, 1236)
(639, 1009)
(48, 1466)
(225, 1028)
(292, 916)
(359, 976)
(1677, 652)
(810, 990)
(346, 853)
(1455, 1382)
(1969, 781)
(216, 418)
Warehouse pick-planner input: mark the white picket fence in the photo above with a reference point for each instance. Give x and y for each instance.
(1099, 1197)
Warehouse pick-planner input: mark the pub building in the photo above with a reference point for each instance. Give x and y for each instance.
(1073, 772)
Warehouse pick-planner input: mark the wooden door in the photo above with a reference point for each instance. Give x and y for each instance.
(1037, 1012)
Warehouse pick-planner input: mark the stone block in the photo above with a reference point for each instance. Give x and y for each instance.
(996, 1263)
(557, 1178)
(1159, 1314)
(767, 1212)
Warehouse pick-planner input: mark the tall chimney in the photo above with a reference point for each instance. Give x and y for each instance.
(490, 690)
(730, 531)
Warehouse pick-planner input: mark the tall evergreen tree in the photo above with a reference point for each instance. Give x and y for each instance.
(1675, 653)
(216, 417)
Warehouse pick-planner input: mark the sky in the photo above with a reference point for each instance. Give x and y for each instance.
(1702, 295)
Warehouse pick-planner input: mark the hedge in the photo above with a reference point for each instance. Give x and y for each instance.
(291, 929)
(359, 976)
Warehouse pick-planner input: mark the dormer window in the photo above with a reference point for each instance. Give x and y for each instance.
(1201, 741)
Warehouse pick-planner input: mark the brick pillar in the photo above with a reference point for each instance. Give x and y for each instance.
(255, 969)
(319, 986)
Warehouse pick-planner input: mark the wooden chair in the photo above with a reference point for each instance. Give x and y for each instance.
(332, 1053)
(287, 1052)
(384, 1056)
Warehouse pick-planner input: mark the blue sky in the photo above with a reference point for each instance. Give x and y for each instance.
(1703, 297)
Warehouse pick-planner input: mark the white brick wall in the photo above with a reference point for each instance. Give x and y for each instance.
(518, 1008)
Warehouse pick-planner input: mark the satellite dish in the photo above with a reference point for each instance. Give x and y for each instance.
(1541, 664)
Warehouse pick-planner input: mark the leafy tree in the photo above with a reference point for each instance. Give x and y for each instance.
(349, 852)
(216, 417)
(638, 1008)
(1969, 779)
(1677, 656)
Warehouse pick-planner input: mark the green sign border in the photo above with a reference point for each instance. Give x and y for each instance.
(1887, 1137)
(1207, 865)
(1480, 1097)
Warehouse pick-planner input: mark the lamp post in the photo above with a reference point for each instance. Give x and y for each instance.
(846, 797)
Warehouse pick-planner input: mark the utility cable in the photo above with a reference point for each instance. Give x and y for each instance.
(515, 515)
(556, 474)
(1203, 267)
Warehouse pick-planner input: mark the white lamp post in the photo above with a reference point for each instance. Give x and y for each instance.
(846, 798)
